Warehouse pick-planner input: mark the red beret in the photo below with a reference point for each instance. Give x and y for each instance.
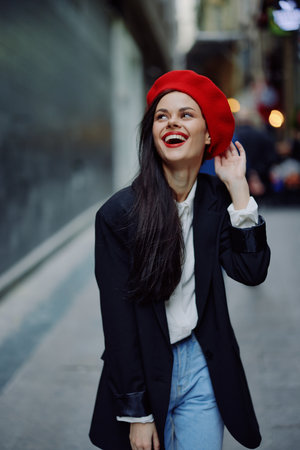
(213, 104)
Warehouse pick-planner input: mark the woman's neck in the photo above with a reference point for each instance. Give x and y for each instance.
(181, 181)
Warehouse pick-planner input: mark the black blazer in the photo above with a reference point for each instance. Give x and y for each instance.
(137, 371)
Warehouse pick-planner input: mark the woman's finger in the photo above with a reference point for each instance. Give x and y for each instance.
(226, 152)
(233, 149)
(240, 147)
(156, 445)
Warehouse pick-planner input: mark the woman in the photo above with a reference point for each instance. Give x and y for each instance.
(172, 374)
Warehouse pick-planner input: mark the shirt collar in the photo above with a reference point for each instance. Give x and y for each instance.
(189, 201)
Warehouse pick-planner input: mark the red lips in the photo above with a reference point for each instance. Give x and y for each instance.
(174, 138)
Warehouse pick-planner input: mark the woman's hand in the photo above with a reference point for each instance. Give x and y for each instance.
(230, 167)
(143, 436)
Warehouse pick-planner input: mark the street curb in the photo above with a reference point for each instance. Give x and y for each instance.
(37, 256)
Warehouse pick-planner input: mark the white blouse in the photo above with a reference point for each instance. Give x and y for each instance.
(181, 308)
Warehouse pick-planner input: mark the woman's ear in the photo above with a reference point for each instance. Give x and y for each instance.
(207, 139)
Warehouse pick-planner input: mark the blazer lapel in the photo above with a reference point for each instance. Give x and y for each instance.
(205, 225)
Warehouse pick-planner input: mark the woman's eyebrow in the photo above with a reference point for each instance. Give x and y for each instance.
(184, 108)
(161, 110)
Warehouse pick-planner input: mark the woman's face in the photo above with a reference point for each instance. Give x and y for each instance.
(179, 131)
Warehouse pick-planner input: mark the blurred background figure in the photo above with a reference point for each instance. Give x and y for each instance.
(285, 173)
(260, 151)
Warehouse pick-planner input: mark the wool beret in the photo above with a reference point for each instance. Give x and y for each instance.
(211, 100)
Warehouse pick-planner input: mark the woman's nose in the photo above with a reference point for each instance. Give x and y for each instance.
(173, 121)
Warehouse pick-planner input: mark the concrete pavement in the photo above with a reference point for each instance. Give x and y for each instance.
(51, 342)
(267, 323)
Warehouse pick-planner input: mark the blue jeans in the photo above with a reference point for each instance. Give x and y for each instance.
(193, 420)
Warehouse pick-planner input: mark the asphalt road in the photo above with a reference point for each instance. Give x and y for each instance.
(51, 342)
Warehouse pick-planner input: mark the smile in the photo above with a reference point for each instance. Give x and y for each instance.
(172, 139)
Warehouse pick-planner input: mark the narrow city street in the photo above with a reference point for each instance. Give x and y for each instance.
(51, 342)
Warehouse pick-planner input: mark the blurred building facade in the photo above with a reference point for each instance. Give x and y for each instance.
(240, 45)
(73, 77)
(279, 30)
(224, 43)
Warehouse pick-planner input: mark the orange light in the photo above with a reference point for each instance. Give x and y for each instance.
(276, 118)
(234, 105)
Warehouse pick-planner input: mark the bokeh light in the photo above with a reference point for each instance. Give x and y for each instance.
(234, 105)
(276, 118)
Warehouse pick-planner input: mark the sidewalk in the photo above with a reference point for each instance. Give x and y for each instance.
(266, 320)
(51, 342)
(50, 346)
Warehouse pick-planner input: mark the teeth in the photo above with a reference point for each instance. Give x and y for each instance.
(175, 136)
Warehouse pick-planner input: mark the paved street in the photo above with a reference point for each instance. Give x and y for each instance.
(51, 342)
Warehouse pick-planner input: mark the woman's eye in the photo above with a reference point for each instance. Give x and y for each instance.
(187, 114)
(161, 116)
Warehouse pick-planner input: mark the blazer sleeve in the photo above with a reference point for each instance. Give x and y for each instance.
(122, 356)
(244, 252)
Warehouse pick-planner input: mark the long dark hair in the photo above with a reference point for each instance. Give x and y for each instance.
(158, 244)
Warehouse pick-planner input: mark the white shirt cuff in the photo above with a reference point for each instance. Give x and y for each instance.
(145, 419)
(244, 218)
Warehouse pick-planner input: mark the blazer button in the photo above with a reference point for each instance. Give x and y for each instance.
(208, 354)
